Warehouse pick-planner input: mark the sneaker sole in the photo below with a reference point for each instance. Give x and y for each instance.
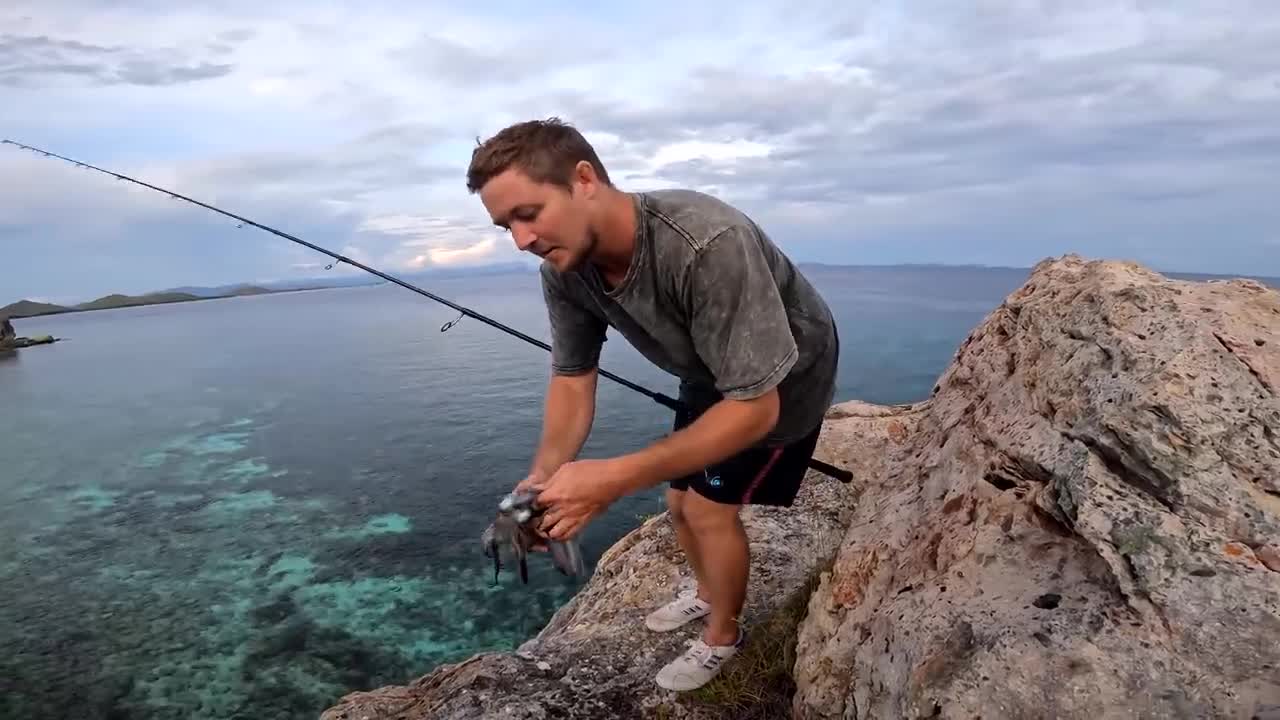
(682, 688)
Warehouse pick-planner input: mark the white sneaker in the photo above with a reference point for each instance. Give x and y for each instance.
(698, 665)
(676, 613)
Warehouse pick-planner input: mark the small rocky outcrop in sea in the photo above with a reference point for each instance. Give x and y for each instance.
(1083, 521)
(9, 339)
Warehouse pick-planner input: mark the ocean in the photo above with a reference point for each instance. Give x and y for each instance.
(246, 507)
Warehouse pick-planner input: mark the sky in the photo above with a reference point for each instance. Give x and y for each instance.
(932, 131)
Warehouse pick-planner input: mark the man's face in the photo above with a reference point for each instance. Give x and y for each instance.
(544, 219)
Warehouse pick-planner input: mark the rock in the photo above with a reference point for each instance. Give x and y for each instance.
(1081, 522)
(23, 342)
(595, 659)
(1269, 555)
(10, 340)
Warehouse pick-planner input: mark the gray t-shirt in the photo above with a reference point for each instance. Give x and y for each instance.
(710, 299)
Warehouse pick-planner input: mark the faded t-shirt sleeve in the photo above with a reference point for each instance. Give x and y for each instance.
(576, 334)
(739, 322)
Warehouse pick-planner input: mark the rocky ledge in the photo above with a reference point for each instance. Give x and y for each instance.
(10, 341)
(1082, 521)
(22, 342)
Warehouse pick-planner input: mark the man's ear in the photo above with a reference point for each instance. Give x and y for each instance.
(584, 177)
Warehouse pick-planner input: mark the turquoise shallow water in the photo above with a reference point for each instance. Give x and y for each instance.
(248, 507)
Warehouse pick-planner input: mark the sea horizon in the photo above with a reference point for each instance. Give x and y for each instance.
(353, 277)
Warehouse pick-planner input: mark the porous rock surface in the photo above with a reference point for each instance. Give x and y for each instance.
(1083, 521)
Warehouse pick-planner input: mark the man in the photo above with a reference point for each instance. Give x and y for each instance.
(703, 293)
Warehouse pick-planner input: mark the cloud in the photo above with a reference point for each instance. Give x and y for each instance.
(33, 61)
(486, 59)
(1084, 127)
(480, 250)
(346, 172)
(937, 132)
(430, 241)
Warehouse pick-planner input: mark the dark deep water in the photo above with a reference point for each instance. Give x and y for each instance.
(247, 507)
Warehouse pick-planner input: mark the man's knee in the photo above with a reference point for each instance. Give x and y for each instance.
(675, 505)
(707, 517)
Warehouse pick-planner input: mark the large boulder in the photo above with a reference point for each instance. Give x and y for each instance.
(1083, 521)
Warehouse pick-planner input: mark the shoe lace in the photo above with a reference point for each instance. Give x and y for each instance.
(699, 653)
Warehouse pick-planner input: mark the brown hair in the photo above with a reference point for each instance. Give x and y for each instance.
(545, 150)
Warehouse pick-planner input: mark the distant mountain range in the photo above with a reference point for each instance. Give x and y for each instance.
(214, 292)
(364, 278)
(28, 308)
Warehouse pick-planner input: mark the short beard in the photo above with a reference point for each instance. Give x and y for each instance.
(580, 263)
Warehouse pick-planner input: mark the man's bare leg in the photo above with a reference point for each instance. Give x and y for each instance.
(688, 541)
(720, 543)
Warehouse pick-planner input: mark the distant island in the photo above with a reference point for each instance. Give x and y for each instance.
(28, 308)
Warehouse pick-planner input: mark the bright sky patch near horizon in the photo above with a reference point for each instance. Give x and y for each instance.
(862, 133)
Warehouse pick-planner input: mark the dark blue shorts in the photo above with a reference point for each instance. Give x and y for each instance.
(756, 476)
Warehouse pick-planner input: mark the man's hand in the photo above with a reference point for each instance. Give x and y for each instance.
(575, 494)
(532, 482)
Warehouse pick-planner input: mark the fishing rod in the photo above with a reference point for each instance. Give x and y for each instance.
(672, 403)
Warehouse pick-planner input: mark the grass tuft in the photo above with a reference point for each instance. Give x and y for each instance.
(757, 683)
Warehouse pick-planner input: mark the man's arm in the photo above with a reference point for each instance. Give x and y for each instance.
(566, 422)
(725, 429)
(741, 330)
(582, 489)
(576, 339)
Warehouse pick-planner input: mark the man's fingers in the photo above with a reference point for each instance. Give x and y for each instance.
(562, 529)
(553, 531)
(530, 484)
(549, 518)
(532, 481)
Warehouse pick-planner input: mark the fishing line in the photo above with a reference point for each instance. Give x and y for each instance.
(672, 403)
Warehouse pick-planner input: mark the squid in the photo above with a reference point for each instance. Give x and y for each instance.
(515, 525)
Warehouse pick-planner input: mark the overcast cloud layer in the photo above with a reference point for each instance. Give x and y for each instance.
(981, 132)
